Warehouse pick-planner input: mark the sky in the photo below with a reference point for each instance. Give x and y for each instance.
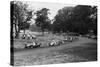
(54, 7)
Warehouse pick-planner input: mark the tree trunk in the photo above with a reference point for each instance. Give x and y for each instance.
(24, 31)
(17, 35)
(17, 32)
(42, 31)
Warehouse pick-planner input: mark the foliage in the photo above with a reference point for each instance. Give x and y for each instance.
(20, 16)
(42, 19)
(76, 19)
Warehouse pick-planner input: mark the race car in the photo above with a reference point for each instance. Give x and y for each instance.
(55, 42)
(68, 39)
(32, 45)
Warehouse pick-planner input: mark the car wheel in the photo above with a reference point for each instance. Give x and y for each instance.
(31, 46)
(25, 47)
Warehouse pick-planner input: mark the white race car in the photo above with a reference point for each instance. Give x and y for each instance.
(55, 42)
(32, 45)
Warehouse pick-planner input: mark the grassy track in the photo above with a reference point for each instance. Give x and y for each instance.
(83, 50)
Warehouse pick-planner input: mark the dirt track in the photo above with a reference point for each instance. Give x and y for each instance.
(83, 50)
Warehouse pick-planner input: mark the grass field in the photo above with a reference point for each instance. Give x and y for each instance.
(79, 51)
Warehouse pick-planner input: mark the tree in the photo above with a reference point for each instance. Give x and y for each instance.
(76, 19)
(82, 16)
(94, 20)
(42, 19)
(25, 25)
(62, 21)
(20, 16)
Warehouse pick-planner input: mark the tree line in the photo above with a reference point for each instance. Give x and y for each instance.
(80, 19)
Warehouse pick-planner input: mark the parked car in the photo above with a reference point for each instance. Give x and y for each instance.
(33, 37)
(87, 35)
(32, 45)
(93, 37)
(24, 36)
(73, 34)
(28, 36)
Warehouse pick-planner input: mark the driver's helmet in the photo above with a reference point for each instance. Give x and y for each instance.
(34, 43)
